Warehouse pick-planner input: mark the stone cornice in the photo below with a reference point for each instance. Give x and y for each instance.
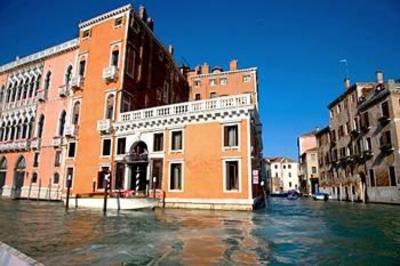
(105, 16)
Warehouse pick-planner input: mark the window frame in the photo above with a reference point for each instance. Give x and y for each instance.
(103, 140)
(68, 150)
(117, 146)
(171, 150)
(224, 179)
(170, 163)
(237, 147)
(162, 141)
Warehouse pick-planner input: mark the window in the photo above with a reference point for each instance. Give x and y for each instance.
(40, 126)
(36, 159)
(385, 109)
(106, 150)
(231, 137)
(68, 76)
(71, 149)
(369, 146)
(34, 178)
(386, 139)
(232, 175)
(61, 123)
(246, 78)
(276, 166)
(197, 97)
(276, 174)
(100, 177)
(56, 178)
(82, 67)
(130, 61)
(176, 140)
(75, 113)
(118, 22)
(158, 142)
(115, 58)
(121, 144)
(197, 83)
(47, 81)
(223, 81)
(341, 132)
(289, 166)
(213, 82)
(157, 170)
(314, 170)
(290, 184)
(86, 34)
(175, 177)
(364, 120)
(110, 106)
(290, 174)
(284, 166)
(371, 178)
(57, 159)
(213, 95)
(392, 175)
(313, 157)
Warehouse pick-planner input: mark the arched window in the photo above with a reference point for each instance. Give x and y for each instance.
(40, 126)
(19, 90)
(3, 173)
(25, 129)
(61, 123)
(26, 89)
(8, 94)
(75, 113)
(110, 107)
(47, 81)
(14, 92)
(2, 94)
(31, 87)
(68, 76)
(56, 178)
(115, 56)
(13, 127)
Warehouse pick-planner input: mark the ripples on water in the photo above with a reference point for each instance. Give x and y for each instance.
(287, 232)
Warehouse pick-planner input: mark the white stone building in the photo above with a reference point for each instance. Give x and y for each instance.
(282, 174)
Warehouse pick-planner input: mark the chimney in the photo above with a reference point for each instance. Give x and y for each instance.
(347, 83)
(171, 50)
(379, 76)
(233, 64)
(150, 23)
(205, 69)
(142, 13)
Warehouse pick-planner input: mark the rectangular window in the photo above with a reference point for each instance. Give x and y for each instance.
(213, 82)
(100, 177)
(106, 151)
(197, 83)
(36, 160)
(130, 61)
(157, 169)
(57, 159)
(364, 120)
(176, 140)
(158, 142)
(369, 146)
(71, 149)
(290, 184)
(115, 58)
(392, 174)
(223, 81)
(118, 22)
(231, 138)
(121, 144)
(86, 34)
(232, 175)
(82, 67)
(213, 95)
(385, 109)
(371, 178)
(314, 170)
(175, 176)
(246, 78)
(197, 97)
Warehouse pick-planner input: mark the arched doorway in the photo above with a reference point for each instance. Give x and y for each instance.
(3, 173)
(19, 176)
(137, 160)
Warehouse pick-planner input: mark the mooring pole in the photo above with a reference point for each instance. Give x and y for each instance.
(154, 186)
(69, 183)
(137, 180)
(106, 181)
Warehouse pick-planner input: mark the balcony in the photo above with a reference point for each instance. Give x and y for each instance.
(110, 73)
(368, 154)
(41, 96)
(70, 131)
(22, 145)
(355, 132)
(57, 141)
(386, 147)
(35, 143)
(63, 91)
(77, 83)
(201, 108)
(384, 119)
(104, 125)
(365, 128)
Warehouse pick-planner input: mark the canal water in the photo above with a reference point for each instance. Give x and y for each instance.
(301, 232)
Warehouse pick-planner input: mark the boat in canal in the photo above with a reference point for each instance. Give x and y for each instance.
(320, 196)
(292, 195)
(96, 201)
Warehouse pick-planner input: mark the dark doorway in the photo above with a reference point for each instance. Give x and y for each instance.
(19, 176)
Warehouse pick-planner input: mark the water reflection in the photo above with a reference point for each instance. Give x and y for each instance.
(288, 232)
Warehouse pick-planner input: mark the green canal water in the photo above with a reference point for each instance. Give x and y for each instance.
(301, 232)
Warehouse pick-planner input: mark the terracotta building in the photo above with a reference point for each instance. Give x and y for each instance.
(308, 163)
(361, 158)
(114, 99)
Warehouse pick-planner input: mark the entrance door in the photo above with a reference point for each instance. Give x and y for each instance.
(3, 174)
(19, 176)
(138, 177)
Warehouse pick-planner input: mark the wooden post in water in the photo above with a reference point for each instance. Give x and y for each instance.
(69, 183)
(107, 178)
(154, 186)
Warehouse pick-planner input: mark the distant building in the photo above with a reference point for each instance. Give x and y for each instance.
(282, 174)
(360, 148)
(308, 163)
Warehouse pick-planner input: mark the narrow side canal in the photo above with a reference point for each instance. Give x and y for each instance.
(286, 232)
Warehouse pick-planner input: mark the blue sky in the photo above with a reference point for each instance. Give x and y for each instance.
(296, 46)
